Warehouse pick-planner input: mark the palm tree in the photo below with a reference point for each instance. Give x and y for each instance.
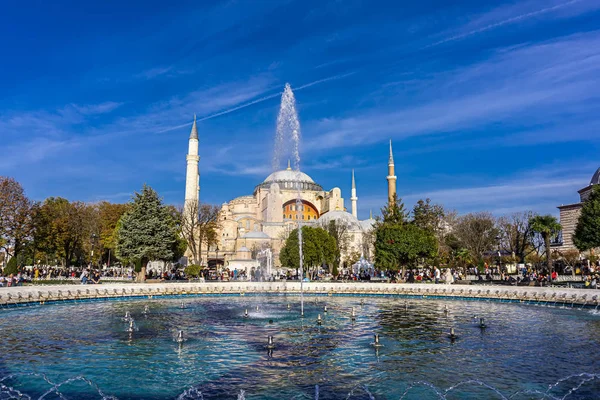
(547, 226)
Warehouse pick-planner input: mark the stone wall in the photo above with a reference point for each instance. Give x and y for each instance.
(569, 215)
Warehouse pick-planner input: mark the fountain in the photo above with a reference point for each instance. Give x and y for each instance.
(180, 338)
(452, 335)
(289, 307)
(353, 315)
(131, 327)
(127, 316)
(182, 306)
(270, 344)
(319, 320)
(482, 323)
(146, 310)
(376, 342)
(246, 313)
(288, 128)
(325, 309)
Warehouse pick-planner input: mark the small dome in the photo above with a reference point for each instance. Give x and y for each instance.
(288, 175)
(367, 224)
(342, 217)
(244, 249)
(256, 235)
(596, 178)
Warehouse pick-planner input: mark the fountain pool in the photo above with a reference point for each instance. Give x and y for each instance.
(87, 351)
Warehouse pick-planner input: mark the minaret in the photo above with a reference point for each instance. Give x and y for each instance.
(391, 178)
(354, 198)
(192, 176)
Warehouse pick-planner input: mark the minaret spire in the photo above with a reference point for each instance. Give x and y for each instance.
(391, 178)
(354, 199)
(194, 132)
(289, 168)
(192, 176)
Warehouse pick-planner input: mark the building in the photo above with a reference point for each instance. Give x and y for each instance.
(569, 215)
(263, 219)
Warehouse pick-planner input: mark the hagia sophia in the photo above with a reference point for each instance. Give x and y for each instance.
(263, 219)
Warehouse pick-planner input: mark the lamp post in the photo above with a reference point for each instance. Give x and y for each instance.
(93, 242)
(217, 258)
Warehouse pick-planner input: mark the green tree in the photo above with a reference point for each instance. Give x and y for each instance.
(546, 226)
(428, 216)
(12, 266)
(587, 231)
(393, 212)
(318, 248)
(398, 246)
(146, 231)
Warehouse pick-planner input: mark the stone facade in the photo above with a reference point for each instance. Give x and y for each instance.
(569, 214)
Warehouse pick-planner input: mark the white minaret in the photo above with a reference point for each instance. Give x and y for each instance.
(192, 176)
(354, 198)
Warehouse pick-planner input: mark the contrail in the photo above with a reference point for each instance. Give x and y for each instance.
(230, 110)
(504, 22)
(331, 78)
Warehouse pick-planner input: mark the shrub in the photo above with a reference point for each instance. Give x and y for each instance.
(193, 270)
(11, 267)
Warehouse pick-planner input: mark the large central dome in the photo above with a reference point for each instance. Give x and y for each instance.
(288, 175)
(290, 179)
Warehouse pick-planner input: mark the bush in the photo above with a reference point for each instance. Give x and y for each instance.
(11, 267)
(193, 270)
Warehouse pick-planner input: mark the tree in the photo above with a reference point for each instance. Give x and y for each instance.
(517, 234)
(146, 231)
(397, 246)
(428, 216)
(339, 231)
(477, 233)
(318, 248)
(15, 216)
(587, 231)
(108, 218)
(546, 226)
(571, 257)
(393, 212)
(198, 226)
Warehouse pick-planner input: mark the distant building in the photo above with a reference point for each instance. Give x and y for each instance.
(569, 215)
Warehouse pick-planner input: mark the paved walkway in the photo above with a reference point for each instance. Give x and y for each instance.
(21, 295)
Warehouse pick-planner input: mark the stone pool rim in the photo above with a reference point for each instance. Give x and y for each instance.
(23, 296)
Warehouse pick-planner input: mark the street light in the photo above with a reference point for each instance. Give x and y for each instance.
(217, 261)
(93, 242)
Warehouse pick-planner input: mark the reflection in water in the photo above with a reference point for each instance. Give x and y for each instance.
(382, 350)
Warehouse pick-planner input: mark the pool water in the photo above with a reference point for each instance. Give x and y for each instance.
(84, 350)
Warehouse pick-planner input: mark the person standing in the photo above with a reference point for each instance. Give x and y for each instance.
(437, 275)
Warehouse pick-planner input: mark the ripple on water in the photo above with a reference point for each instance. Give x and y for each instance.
(85, 347)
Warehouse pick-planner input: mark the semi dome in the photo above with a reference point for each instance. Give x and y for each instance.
(256, 235)
(342, 217)
(368, 224)
(596, 178)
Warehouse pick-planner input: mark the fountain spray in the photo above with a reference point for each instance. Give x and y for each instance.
(288, 125)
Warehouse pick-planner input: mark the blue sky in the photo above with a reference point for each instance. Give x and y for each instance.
(490, 105)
